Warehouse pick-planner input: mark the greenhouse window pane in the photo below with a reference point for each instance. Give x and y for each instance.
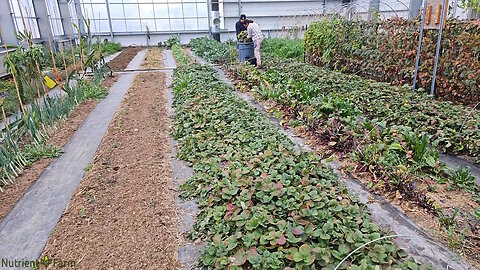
(163, 24)
(175, 10)
(177, 24)
(190, 10)
(146, 11)
(134, 25)
(100, 26)
(26, 6)
(131, 11)
(99, 11)
(116, 11)
(161, 11)
(191, 24)
(202, 24)
(57, 27)
(20, 26)
(87, 11)
(202, 10)
(150, 23)
(119, 26)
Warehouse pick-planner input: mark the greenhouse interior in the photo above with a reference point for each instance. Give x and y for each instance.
(240, 134)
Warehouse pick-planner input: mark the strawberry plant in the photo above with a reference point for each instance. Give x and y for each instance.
(213, 51)
(173, 43)
(264, 205)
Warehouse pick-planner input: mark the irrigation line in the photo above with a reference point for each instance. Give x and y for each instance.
(381, 238)
(366, 244)
(466, 118)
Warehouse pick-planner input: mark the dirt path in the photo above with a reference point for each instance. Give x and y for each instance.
(122, 60)
(12, 193)
(123, 213)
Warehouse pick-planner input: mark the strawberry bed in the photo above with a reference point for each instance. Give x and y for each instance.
(263, 205)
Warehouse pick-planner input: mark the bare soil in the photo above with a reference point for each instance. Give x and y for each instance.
(123, 215)
(153, 59)
(121, 61)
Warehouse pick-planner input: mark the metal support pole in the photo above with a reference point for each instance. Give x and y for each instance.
(417, 61)
(439, 41)
(239, 8)
(209, 8)
(109, 19)
(304, 48)
(216, 16)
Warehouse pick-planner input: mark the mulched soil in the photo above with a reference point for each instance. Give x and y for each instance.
(153, 59)
(121, 61)
(12, 193)
(122, 215)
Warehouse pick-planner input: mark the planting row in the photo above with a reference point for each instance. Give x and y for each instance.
(263, 205)
(452, 128)
(392, 158)
(31, 63)
(336, 110)
(23, 141)
(386, 51)
(173, 43)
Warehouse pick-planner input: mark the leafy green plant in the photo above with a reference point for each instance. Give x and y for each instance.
(37, 151)
(264, 205)
(93, 90)
(385, 51)
(214, 51)
(284, 48)
(107, 47)
(179, 54)
(462, 178)
(172, 40)
(243, 37)
(476, 214)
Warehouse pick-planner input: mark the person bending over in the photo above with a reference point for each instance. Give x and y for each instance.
(256, 35)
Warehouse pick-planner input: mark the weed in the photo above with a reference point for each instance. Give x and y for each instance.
(89, 167)
(83, 212)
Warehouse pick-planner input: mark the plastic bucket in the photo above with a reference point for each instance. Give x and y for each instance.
(245, 51)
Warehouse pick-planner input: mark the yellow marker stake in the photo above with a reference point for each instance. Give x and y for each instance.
(49, 82)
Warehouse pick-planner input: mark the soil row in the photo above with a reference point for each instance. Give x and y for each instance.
(121, 61)
(123, 212)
